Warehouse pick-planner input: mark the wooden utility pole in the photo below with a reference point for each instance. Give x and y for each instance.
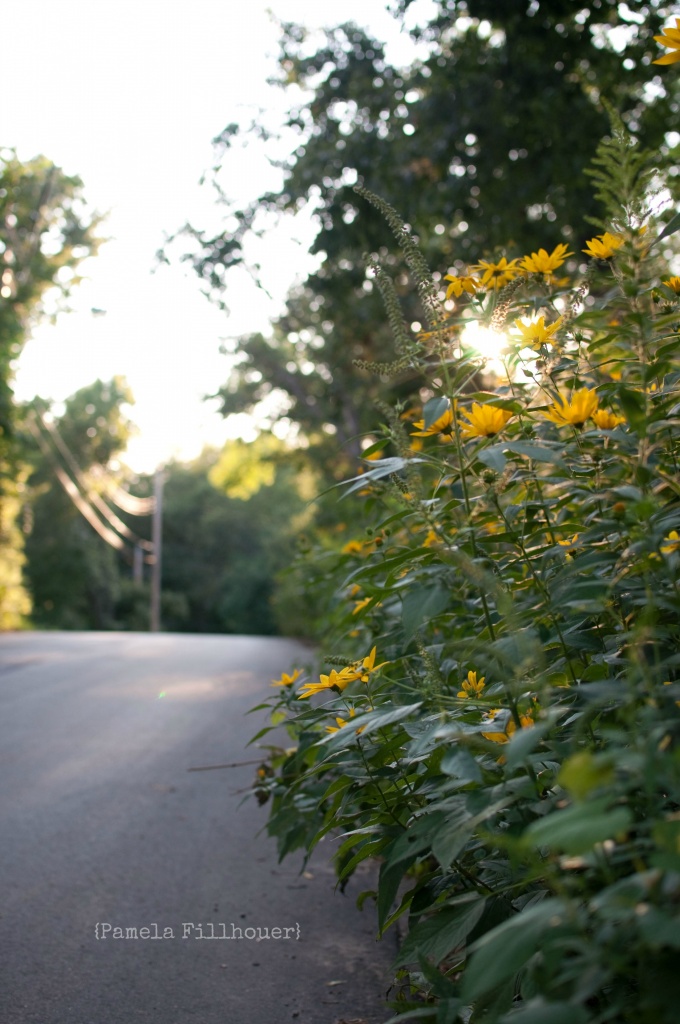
(138, 564)
(157, 538)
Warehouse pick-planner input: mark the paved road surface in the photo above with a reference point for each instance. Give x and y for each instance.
(101, 823)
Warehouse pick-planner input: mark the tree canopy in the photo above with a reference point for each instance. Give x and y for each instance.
(46, 231)
(480, 144)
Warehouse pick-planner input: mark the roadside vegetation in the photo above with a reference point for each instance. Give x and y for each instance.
(497, 716)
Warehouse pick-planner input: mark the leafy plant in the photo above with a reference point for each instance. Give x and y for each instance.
(500, 724)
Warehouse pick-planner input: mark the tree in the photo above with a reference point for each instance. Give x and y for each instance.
(45, 233)
(480, 145)
(73, 574)
(230, 520)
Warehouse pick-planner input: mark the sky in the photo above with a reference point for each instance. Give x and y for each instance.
(128, 96)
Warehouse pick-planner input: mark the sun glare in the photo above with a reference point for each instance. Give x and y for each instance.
(489, 344)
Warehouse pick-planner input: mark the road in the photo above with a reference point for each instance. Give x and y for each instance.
(102, 825)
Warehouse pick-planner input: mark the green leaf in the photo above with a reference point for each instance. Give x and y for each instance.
(670, 229)
(511, 404)
(524, 741)
(433, 409)
(365, 894)
(444, 931)
(371, 722)
(499, 954)
(384, 467)
(460, 764)
(578, 828)
(634, 408)
(422, 604)
(377, 447)
(452, 836)
(493, 457)
(584, 772)
(537, 452)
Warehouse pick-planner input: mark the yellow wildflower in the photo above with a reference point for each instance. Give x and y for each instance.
(442, 425)
(671, 543)
(484, 420)
(603, 246)
(671, 40)
(465, 283)
(606, 420)
(340, 679)
(472, 686)
(542, 262)
(360, 605)
(502, 736)
(431, 538)
(574, 411)
(537, 332)
(287, 680)
(673, 283)
(368, 666)
(497, 274)
(353, 547)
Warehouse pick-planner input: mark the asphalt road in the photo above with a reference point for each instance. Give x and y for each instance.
(102, 827)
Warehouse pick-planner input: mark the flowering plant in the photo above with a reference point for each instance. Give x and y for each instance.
(513, 759)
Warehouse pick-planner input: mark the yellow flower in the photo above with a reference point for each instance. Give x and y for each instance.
(568, 543)
(340, 679)
(287, 680)
(543, 263)
(368, 666)
(526, 721)
(671, 543)
(673, 283)
(606, 420)
(442, 425)
(574, 411)
(538, 333)
(472, 685)
(671, 40)
(497, 274)
(360, 605)
(353, 547)
(484, 420)
(603, 246)
(431, 538)
(458, 285)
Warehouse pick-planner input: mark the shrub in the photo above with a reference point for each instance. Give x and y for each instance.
(500, 726)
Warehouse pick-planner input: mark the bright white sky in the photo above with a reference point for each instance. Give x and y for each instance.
(128, 95)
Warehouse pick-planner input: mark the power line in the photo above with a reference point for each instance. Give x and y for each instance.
(74, 494)
(91, 495)
(129, 503)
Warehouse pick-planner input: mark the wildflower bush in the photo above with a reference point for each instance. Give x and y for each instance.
(499, 723)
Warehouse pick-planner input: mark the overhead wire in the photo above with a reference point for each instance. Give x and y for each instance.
(86, 510)
(91, 495)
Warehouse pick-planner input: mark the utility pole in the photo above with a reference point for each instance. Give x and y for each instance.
(138, 564)
(156, 537)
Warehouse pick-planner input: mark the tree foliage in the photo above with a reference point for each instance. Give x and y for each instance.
(224, 547)
(480, 143)
(229, 520)
(45, 233)
(73, 575)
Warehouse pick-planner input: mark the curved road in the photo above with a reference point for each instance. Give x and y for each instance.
(103, 825)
